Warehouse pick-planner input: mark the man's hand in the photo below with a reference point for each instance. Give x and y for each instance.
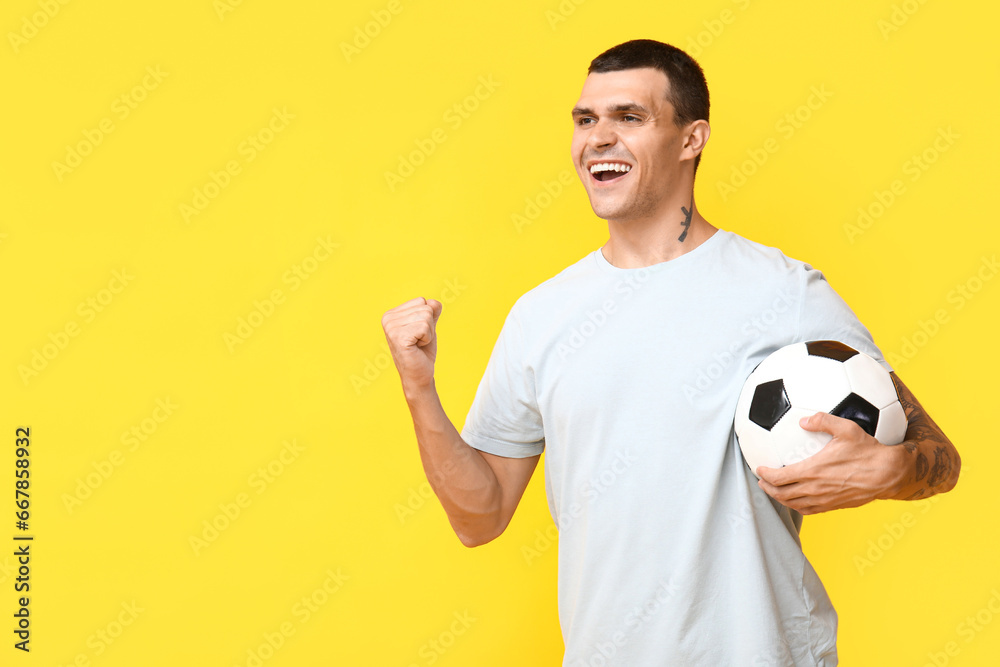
(410, 331)
(855, 468)
(851, 470)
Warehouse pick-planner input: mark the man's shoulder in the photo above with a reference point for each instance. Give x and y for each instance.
(568, 281)
(757, 252)
(744, 255)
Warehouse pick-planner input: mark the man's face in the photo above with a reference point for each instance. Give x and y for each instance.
(624, 119)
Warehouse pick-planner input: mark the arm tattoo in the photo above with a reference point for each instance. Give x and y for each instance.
(921, 466)
(941, 469)
(687, 220)
(922, 429)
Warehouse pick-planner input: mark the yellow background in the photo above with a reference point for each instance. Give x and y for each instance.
(349, 523)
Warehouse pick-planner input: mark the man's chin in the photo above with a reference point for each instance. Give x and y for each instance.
(604, 211)
(618, 210)
(603, 208)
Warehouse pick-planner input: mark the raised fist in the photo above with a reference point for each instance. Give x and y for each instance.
(410, 330)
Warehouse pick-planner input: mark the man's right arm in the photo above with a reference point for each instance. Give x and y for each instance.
(479, 491)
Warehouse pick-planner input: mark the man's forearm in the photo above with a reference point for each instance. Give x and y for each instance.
(928, 463)
(460, 477)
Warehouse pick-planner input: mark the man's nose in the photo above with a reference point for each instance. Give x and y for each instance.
(602, 135)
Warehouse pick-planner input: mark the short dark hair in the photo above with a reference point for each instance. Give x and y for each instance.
(687, 89)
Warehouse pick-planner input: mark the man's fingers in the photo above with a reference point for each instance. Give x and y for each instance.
(436, 308)
(814, 422)
(403, 308)
(784, 492)
(771, 476)
(424, 332)
(413, 310)
(412, 322)
(418, 301)
(827, 423)
(779, 477)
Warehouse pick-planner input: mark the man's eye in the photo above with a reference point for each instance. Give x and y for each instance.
(584, 120)
(632, 119)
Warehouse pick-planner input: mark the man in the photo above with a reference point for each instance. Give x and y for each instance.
(670, 553)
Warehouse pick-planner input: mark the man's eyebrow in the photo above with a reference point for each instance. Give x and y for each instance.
(622, 107)
(628, 106)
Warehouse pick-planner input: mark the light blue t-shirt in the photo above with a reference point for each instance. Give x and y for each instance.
(669, 553)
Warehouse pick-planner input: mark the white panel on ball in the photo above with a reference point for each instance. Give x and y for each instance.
(758, 448)
(791, 442)
(774, 365)
(870, 380)
(891, 429)
(816, 383)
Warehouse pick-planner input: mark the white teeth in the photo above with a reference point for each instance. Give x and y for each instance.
(610, 166)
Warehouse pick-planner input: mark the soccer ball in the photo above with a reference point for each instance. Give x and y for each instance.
(804, 378)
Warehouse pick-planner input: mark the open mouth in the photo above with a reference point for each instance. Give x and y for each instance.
(609, 171)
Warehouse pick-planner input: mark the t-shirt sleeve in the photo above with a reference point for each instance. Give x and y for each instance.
(824, 315)
(504, 418)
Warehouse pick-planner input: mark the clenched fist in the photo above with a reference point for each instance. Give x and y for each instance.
(409, 328)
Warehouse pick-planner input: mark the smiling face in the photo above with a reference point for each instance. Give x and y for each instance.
(626, 148)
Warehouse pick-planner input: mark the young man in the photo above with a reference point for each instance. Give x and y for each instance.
(671, 552)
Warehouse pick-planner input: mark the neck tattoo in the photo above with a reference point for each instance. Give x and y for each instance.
(687, 220)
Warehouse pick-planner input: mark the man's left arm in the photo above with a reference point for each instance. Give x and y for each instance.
(854, 468)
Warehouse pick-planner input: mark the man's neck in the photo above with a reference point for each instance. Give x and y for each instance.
(634, 244)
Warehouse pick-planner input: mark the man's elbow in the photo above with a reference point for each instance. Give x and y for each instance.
(480, 535)
(956, 469)
(476, 540)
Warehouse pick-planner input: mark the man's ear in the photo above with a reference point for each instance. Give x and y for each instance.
(695, 137)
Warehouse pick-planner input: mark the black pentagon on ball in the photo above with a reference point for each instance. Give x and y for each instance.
(770, 403)
(831, 349)
(859, 411)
